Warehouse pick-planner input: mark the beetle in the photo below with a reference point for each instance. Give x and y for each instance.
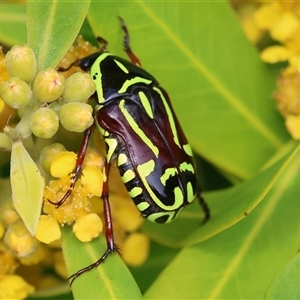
(142, 133)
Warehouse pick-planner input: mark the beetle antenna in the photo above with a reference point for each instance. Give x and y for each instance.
(126, 44)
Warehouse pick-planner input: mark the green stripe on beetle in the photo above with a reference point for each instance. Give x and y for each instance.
(136, 128)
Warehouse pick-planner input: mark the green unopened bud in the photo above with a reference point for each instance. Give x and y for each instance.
(76, 116)
(48, 85)
(44, 123)
(79, 87)
(15, 92)
(21, 62)
(48, 153)
(19, 240)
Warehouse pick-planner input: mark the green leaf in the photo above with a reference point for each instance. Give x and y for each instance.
(240, 262)
(286, 284)
(218, 85)
(12, 24)
(27, 186)
(159, 257)
(228, 206)
(111, 280)
(52, 27)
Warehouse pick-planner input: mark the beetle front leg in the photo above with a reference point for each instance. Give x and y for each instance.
(77, 170)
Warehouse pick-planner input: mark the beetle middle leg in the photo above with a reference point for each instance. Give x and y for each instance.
(111, 247)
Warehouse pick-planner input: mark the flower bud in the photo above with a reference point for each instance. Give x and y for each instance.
(21, 62)
(19, 239)
(78, 88)
(44, 123)
(75, 116)
(15, 92)
(48, 85)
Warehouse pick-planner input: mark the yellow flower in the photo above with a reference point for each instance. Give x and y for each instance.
(63, 164)
(274, 54)
(48, 153)
(3, 72)
(59, 264)
(2, 105)
(282, 21)
(8, 261)
(14, 287)
(76, 204)
(126, 214)
(293, 126)
(88, 227)
(135, 249)
(288, 93)
(246, 16)
(81, 48)
(48, 230)
(2, 230)
(93, 158)
(266, 15)
(92, 179)
(284, 27)
(34, 258)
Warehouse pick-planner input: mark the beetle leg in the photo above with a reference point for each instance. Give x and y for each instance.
(127, 48)
(111, 247)
(102, 42)
(204, 207)
(77, 170)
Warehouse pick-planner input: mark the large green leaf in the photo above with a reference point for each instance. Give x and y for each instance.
(12, 23)
(111, 280)
(240, 262)
(228, 206)
(286, 284)
(218, 85)
(52, 28)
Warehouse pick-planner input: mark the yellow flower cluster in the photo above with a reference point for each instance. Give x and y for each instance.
(83, 208)
(78, 206)
(281, 20)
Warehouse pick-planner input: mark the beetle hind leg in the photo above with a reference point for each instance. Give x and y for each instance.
(204, 207)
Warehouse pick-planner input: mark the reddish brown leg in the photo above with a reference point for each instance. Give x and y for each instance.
(77, 171)
(111, 247)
